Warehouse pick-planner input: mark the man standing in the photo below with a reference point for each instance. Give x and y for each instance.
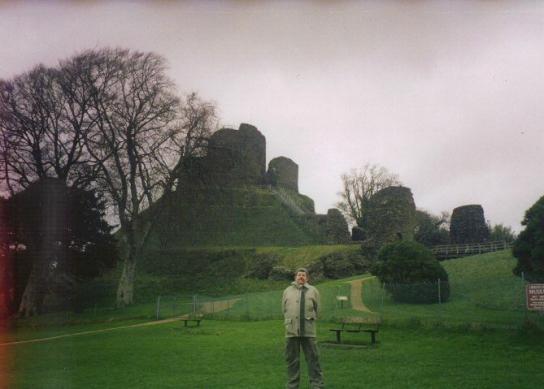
(300, 307)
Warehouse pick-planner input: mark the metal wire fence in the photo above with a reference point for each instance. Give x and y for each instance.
(475, 303)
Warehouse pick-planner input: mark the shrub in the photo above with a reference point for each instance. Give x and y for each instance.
(281, 273)
(410, 273)
(529, 246)
(360, 263)
(340, 265)
(430, 230)
(317, 271)
(370, 248)
(336, 265)
(262, 265)
(227, 268)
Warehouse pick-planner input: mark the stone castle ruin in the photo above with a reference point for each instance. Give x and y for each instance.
(468, 225)
(283, 172)
(391, 216)
(237, 159)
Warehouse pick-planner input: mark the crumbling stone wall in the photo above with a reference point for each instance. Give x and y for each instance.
(468, 225)
(390, 217)
(283, 172)
(337, 227)
(237, 157)
(357, 234)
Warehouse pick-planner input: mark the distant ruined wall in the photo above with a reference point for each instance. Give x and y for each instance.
(390, 216)
(237, 157)
(337, 227)
(468, 225)
(283, 172)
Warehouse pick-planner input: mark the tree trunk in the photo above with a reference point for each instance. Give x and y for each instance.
(35, 290)
(125, 289)
(7, 290)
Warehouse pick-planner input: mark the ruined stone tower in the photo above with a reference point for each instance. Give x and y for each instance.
(283, 172)
(237, 157)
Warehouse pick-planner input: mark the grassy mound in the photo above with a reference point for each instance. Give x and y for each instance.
(247, 216)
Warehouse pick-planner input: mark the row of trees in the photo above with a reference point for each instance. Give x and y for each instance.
(109, 121)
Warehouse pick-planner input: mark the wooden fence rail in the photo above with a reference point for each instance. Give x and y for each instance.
(463, 250)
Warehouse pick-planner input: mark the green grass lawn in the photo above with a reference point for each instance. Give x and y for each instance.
(475, 340)
(230, 354)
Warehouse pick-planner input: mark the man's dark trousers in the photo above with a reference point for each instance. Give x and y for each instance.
(292, 355)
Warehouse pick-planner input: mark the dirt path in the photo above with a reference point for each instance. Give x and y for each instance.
(217, 306)
(210, 307)
(149, 323)
(357, 295)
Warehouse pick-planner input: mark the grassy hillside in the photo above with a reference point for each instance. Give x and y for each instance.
(484, 292)
(248, 216)
(214, 271)
(293, 257)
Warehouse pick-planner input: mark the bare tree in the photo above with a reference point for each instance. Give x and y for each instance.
(142, 134)
(359, 185)
(109, 120)
(41, 129)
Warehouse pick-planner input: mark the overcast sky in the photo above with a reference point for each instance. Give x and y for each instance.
(448, 95)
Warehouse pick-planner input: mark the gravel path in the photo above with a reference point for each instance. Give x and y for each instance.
(217, 306)
(357, 295)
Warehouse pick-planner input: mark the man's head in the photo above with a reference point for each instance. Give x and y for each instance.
(302, 276)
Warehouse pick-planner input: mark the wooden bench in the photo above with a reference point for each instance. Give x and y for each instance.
(358, 324)
(192, 317)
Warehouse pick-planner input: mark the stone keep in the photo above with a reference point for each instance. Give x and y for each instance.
(283, 172)
(390, 216)
(468, 225)
(237, 157)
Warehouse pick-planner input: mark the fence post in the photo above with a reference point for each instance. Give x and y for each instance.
(194, 303)
(158, 307)
(439, 293)
(383, 294)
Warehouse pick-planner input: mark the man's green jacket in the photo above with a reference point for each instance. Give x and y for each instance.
(291, 310)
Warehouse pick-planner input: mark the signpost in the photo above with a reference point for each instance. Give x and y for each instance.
(342, 299)
(535, 297)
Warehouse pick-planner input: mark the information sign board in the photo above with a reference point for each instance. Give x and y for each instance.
(535, 297)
